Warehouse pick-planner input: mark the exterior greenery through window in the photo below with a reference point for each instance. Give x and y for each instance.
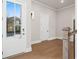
(13, 18)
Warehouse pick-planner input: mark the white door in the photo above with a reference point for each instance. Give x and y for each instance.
(14, 31)
(44, 26)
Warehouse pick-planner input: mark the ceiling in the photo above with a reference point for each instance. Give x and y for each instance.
(57, 3)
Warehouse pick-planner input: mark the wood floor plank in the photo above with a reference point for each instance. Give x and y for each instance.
(46, 50)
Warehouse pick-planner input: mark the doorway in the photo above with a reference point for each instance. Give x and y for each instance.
(14, 33)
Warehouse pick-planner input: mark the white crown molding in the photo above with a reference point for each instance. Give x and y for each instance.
(44, 5)
(70, 6)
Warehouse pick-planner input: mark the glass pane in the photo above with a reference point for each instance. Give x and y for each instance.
(17, 18)
(10, 18)
(9, 0)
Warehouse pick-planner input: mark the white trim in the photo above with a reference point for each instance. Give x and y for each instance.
(52, 38)
(28, 50)
(39, 41)
(55, 9)
(59, 38)
(70, 6)
(44, 5)
(17, 54)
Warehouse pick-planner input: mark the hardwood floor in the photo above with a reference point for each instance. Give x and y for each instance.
(46, 50)
(71, 51)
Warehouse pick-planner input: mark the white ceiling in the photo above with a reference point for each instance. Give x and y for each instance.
(57, 3)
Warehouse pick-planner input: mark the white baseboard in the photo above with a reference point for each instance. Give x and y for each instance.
(51, 38)
(28, 50)
(71, 39)
(38, 41)
(59, 38)
(17, 54)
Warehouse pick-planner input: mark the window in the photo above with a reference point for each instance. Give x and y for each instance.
(13, 18)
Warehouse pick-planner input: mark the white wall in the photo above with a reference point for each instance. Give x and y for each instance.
(39, 9)
(64, 18)
(52, 24)
(58, 19)
(14, 45)
(35, 23)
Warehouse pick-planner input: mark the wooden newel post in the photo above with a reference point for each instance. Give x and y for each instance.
(66, 39)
